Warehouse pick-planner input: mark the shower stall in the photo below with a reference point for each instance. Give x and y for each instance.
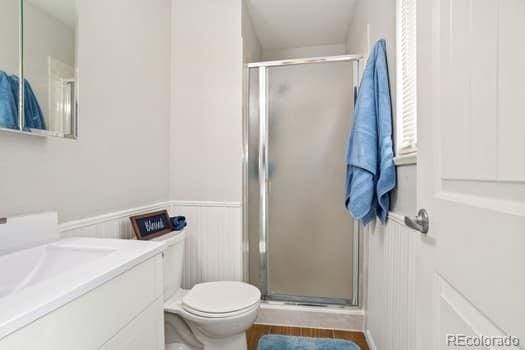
(302, 247)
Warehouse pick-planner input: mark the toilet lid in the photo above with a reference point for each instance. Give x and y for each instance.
(221, 297)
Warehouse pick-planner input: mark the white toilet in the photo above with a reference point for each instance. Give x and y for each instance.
(210, 316)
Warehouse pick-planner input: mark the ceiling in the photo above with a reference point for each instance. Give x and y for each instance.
(64, 10)
(283, 24)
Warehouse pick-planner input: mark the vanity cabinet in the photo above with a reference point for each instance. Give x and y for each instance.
(144, 332)
(124, 313)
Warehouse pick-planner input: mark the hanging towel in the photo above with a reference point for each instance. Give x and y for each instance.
(8, 105)
(33, 116)
(370, 158)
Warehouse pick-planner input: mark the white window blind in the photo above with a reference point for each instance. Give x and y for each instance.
(406, 77)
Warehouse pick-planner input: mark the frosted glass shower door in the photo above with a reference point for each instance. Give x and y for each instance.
(310, 235)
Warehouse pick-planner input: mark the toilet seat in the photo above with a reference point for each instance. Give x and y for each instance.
(221, 299)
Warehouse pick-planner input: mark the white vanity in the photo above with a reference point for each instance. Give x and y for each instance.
(80, 293)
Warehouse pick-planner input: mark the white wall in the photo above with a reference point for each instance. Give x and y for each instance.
(390, 248)
(373, 20)
(206, 133)
(206, 100)
(252, 50)
(302, 52)
(121, 158)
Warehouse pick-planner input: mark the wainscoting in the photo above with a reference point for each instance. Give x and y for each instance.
(214, 252)
(390, 313)
(110, 225)
(213, 243)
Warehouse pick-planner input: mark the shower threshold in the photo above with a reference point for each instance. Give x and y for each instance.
(308, 301)
(320, 316)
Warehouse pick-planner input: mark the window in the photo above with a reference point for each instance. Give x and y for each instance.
(406, 126)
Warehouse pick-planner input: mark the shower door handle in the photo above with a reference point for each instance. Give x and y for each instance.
(263, 164)
(420, 223)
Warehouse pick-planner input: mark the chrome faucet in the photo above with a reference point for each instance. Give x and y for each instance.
(3, 221)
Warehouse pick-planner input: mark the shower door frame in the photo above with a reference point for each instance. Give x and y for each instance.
(263, 103)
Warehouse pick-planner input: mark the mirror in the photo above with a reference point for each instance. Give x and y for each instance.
(50, 73)
(9, 64)
(49, 102)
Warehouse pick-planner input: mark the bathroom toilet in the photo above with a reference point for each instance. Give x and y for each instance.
(210, 316)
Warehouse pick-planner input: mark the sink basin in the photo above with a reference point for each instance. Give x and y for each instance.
(28, 267)
(39, 280)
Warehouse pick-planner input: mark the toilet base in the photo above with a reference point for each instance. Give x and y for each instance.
(198, 332)
(236, 342)
(177, 346)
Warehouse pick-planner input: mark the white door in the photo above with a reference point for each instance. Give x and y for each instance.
(471, 170)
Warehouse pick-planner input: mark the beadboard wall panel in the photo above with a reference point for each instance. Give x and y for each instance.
(390, 313)
(213, 248)
(213, 242)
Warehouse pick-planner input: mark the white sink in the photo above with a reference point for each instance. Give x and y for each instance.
(39, 280)
(27, 267)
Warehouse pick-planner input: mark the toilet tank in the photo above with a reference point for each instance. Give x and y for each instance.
(173, 262)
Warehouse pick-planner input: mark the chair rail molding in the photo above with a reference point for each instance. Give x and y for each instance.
(108, 217)
(206, 204)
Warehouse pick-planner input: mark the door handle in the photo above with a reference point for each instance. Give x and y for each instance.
(420, 223)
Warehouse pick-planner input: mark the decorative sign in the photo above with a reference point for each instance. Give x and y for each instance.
(148, 226)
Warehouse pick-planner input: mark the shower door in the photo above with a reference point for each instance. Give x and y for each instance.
(301, 237)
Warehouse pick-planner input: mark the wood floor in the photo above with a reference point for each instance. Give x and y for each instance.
(258, 330)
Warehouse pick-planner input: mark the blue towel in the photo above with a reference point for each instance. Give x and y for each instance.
(178, 222)
(8, 104)
(370, 157)
(33, 116)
